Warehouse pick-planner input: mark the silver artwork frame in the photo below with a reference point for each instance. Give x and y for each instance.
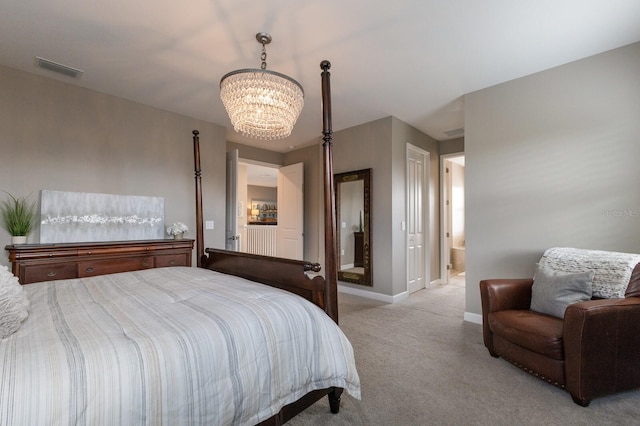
(70, 217)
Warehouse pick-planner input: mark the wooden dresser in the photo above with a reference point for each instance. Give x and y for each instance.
(46, 262)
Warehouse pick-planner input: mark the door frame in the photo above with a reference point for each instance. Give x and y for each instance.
(244, 203)
(231, 205)
(249, 162)
(445, 242)
(426, 215)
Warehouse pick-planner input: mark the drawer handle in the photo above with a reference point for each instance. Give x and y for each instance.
(89, 269)
(51, 274)
(145, 264)
(172, 262)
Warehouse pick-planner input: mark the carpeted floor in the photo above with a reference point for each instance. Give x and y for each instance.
(421, 364)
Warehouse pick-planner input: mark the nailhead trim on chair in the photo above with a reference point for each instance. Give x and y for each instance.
(522, 367)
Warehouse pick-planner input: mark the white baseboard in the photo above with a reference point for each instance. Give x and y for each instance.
(474, 318)
(468, 316)
(372, 294)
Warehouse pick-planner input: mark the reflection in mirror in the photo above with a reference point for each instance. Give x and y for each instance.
(353, 222)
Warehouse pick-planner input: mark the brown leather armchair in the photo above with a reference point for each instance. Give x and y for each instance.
(593, 351)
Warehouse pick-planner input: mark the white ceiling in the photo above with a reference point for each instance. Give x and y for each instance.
(413, 59)
(259, 175)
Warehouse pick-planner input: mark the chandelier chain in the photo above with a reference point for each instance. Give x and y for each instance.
(263, 57)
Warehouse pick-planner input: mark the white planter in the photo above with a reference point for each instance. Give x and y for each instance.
(19, 239)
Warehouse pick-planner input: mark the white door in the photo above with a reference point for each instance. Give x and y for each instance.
(417, 218)
(290, 238)
(231, 222)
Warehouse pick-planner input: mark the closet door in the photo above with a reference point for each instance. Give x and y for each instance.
(417, 218)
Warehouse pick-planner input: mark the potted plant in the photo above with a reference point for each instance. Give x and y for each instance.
(178, 229)
(18, 217)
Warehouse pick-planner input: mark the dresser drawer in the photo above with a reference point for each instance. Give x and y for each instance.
(91, 268)
(60, 271)
(45, 262)
(171, 260)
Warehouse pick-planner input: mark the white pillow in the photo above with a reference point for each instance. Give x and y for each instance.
(552, 291)
(14, 305)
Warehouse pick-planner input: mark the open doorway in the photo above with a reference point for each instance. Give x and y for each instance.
(265, 208)
(453, 217)
(257, 205)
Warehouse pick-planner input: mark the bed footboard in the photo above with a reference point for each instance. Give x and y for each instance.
(285, 274)
(290, 411)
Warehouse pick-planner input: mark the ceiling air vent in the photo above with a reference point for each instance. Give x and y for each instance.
(455, 132)
(59, 68)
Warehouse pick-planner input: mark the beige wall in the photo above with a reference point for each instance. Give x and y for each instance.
(58, 136)
(62, 137)
(246, 152)
(263, 193)
(402, 135)
(362, 147)
(552, 160)
(451, 146)
(381, 145)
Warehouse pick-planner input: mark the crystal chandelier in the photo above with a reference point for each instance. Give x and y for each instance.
(261, 104)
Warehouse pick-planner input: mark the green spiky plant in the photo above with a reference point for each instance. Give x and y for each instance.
(18, 215)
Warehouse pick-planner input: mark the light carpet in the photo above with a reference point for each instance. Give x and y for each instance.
(421, 364)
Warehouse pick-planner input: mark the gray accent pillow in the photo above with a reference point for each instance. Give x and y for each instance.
(552, 292)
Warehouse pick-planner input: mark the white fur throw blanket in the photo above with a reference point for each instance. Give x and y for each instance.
(14, 305)
(611, 270)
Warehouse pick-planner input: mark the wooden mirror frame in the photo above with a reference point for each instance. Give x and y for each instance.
(366, 277)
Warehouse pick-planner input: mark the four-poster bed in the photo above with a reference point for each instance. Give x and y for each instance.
(176, 345)
(286, 274)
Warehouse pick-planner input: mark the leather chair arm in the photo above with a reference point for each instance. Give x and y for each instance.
(602, 347)
(505, 294)
(502, 294)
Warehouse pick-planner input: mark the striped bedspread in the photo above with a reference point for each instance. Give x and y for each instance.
(168, 346)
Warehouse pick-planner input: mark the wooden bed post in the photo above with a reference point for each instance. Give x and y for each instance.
(287, 274)
(199, 221)
(331, 272)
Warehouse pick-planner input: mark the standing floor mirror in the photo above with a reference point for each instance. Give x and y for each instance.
(353, 223)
